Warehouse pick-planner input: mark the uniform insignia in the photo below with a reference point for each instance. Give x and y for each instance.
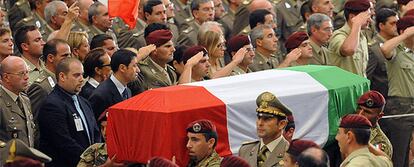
(287, 5)
(369, 103)
(51, 82)
(196, 127)
(246, 2)
(2, 144)
(282, 163)
(187, 30)
(38, 25)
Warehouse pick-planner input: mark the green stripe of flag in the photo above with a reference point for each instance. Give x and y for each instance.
(344, 90)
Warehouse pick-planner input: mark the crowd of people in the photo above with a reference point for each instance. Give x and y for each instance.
(64, 63)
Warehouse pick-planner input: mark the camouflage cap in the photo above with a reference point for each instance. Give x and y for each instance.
(268, 105)
(16, 147)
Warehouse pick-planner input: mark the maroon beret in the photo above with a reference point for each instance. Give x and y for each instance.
(201, 126)
(372, 99)
(357, 5)
(409, 13)
(237, 42)
(355, 121)
(290, 119)
(297, 146)
(232, 161)
(160, 161)
(295, 40)
(403, 2)
(159, 37)
(192, 51)
(405, 22)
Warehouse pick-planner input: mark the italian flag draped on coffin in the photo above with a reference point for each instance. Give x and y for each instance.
(153, 123)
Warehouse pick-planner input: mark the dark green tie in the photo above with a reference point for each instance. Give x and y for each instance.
(261, 157)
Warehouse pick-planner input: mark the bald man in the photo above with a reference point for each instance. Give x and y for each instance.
(16, 119)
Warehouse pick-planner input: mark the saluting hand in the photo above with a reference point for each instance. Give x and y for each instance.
(293, 55)
(73, 11)
(239, 56)
(361, 18)
(146, 50)
(195, 59)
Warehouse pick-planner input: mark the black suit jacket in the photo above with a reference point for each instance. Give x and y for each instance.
(58, 135)
(87, 90)
(104, 96)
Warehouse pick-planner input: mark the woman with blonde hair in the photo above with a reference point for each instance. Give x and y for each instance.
(215, 44)
(79, 44)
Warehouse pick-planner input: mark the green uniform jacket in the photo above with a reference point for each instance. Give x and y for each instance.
(249, 152)
(34, 72)
(182, 13)
(133, 38)
(151, 77)
(288, 18)
(401, 72)
(20, 10)
(363, 158)
(241, 18)
(39, 22)
(39, 90)
(95, 31)
(189, 35)
(320, 54)
(94, 155)
(239, 71)
(376, 68)
(260, 63)
(15, 123)
(379, 139)
(356, 63)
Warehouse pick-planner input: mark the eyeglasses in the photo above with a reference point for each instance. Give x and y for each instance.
(20, 74)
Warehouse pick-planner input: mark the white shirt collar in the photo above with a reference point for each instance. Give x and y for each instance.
(93, 82)
(272, 145)
(118, 84)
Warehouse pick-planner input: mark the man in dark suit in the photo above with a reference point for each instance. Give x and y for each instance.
(66, 122)
(124, 64)
(97, 68)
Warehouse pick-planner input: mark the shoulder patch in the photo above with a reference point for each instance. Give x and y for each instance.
(250, 142)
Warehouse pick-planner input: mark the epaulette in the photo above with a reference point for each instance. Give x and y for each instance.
(246, 2)
(27, 19)
(187, 20)
(245, 30)
(144, 62)
(250, 142)
(188, 30)
(139, 33)
(275, 2)
(41, 78)
(20, 2)
(2, 144)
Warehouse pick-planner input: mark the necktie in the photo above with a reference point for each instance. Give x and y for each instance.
(125, 94)
(85, 124)
(261, 157)
(29, 121)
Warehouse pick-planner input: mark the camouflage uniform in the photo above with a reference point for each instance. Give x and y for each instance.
(79, 26)
(380, 140)
(94, 155)
(213, 160)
